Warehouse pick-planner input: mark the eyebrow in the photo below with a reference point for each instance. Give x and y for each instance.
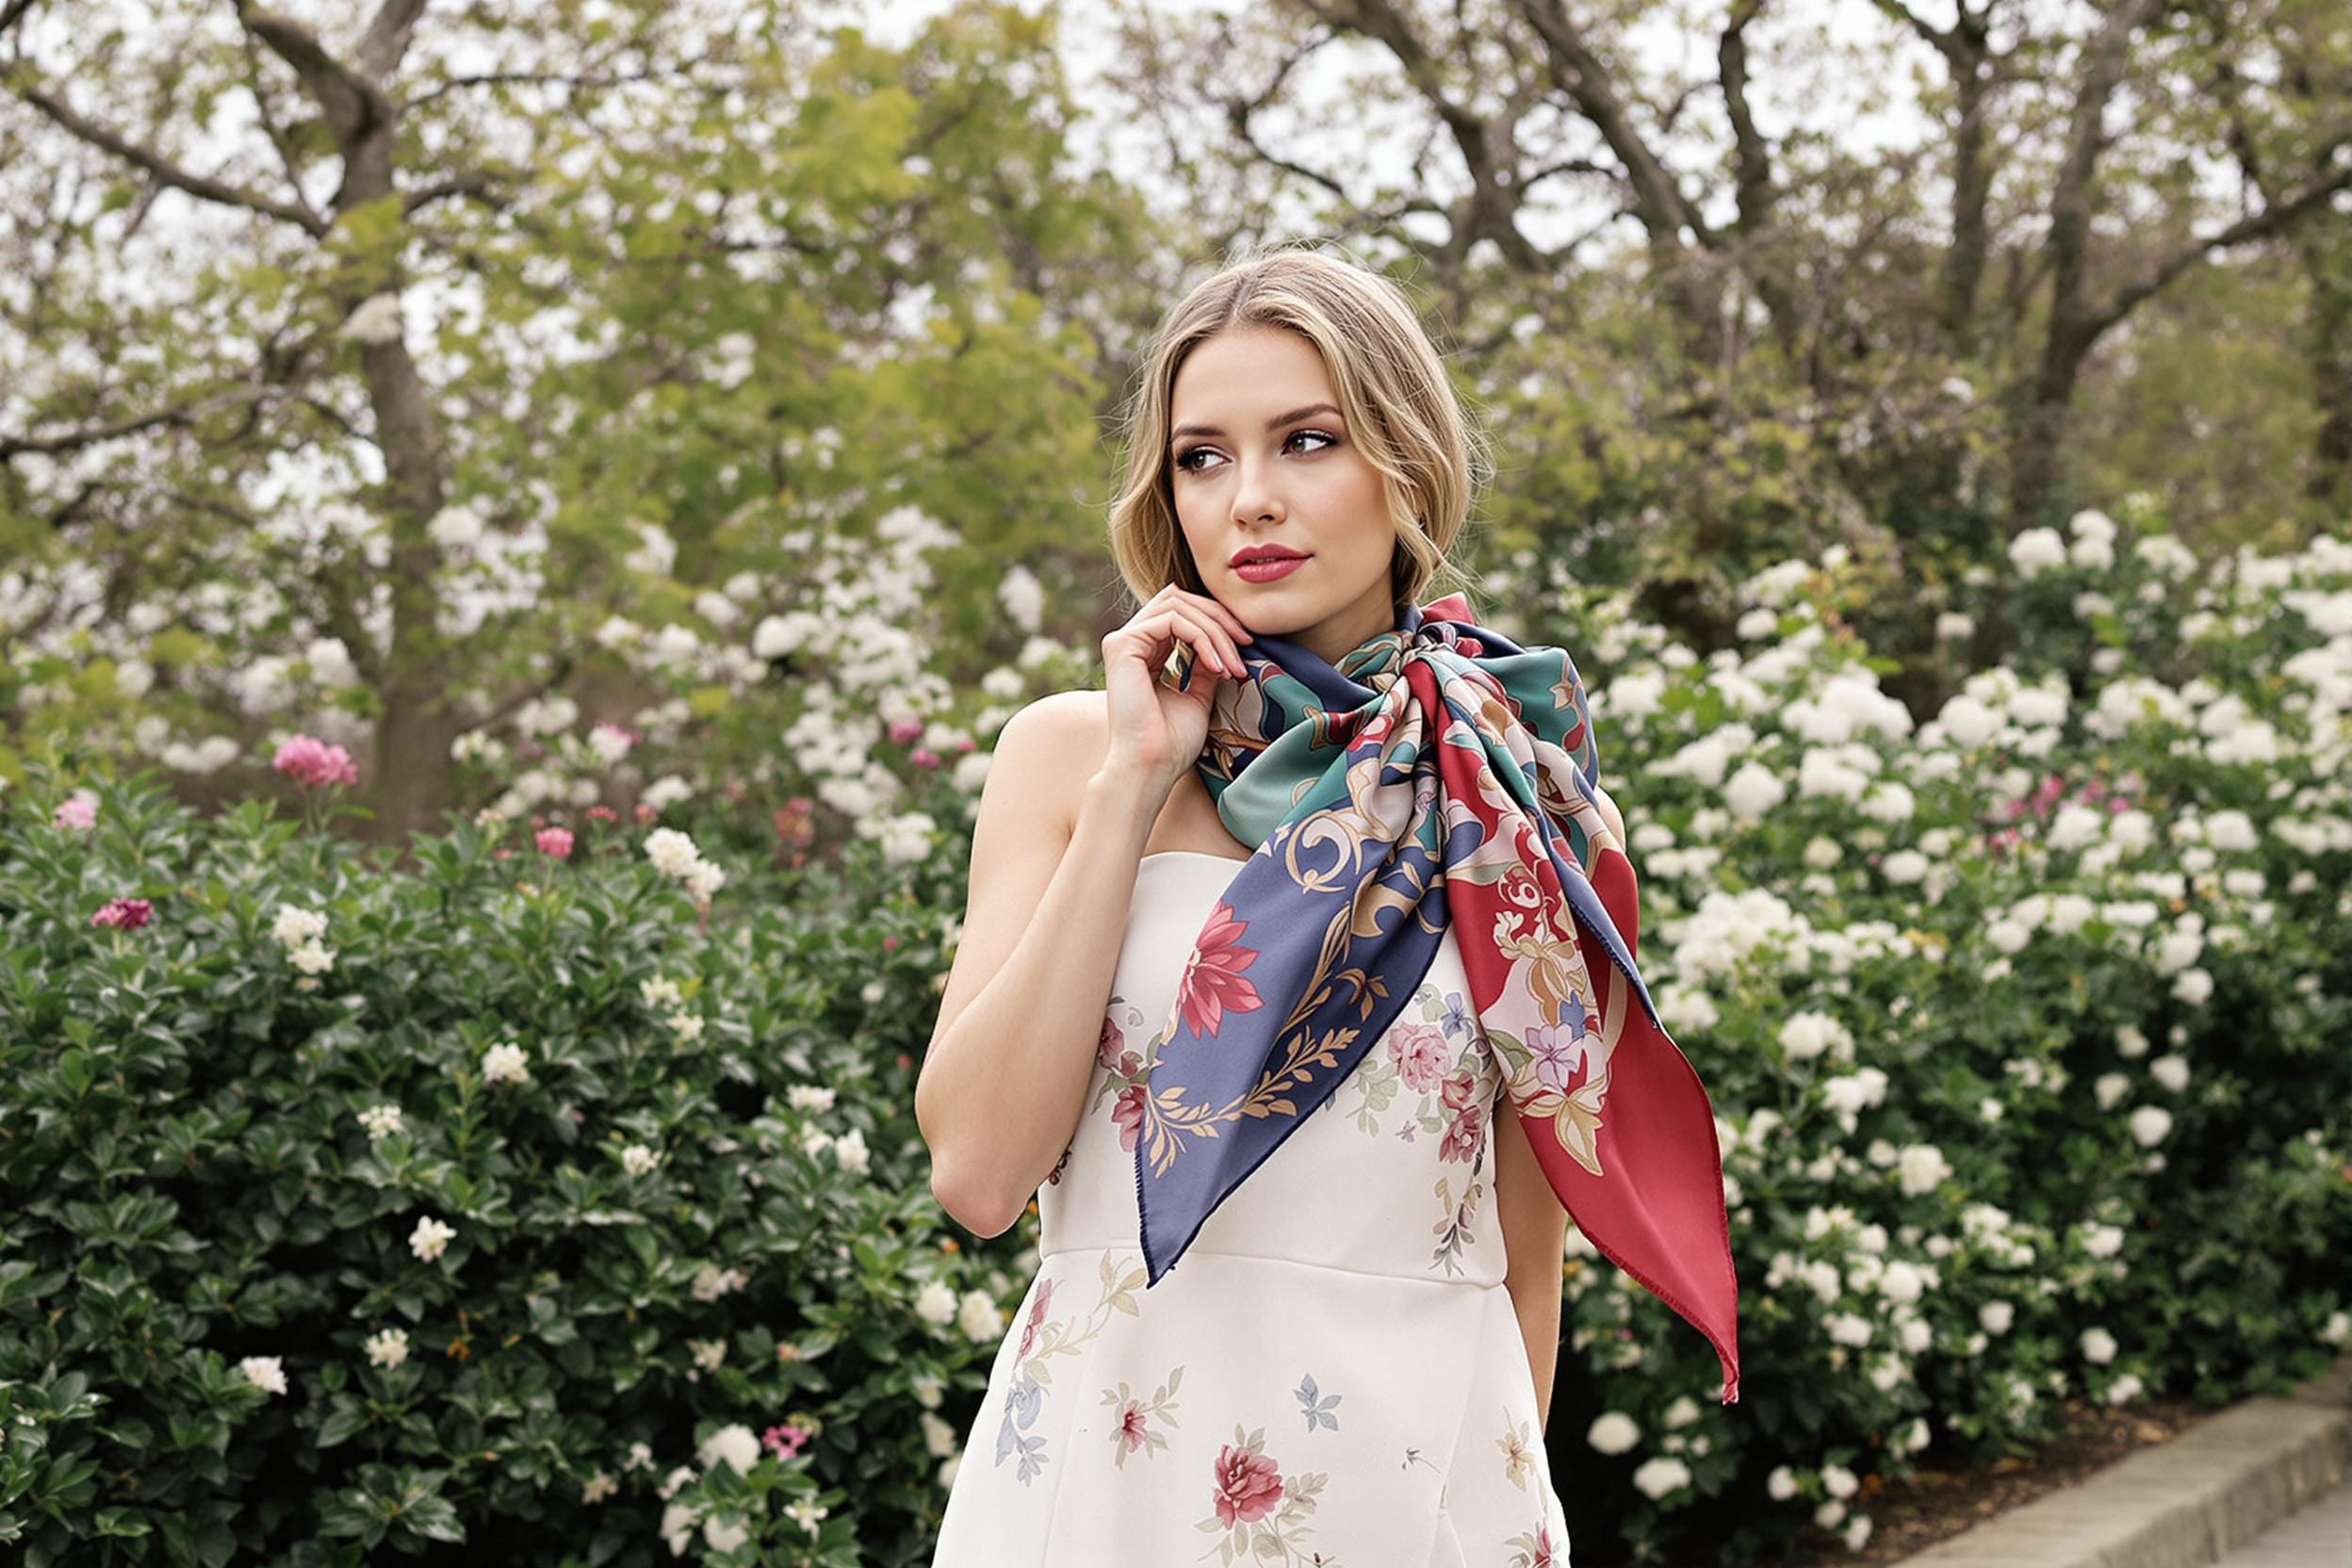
(1271, 425)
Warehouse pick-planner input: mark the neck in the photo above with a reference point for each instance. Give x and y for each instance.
(1332, 637)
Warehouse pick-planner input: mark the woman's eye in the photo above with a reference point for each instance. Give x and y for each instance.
(1183, 459)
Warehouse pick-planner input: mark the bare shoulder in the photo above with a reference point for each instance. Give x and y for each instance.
(1057, 742)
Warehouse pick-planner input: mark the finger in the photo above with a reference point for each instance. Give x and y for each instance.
(1224, 612)
(1200, 642)
(1154, 638)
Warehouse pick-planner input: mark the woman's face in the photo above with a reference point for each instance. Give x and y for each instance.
(1258, 454)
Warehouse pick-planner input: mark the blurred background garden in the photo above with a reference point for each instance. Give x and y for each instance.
(519, 527)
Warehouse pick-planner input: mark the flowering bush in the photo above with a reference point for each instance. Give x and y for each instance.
(562, 1196)
(2024, 1025)
(496, 1203)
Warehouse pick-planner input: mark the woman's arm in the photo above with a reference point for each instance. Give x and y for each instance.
(1054, 853)
(1535, 1243)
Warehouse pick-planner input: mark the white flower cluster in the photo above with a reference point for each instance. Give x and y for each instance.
(300, 932)
(507, 1063)
(674, 854)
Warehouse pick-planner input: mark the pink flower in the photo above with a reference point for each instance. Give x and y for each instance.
(127, 914)
(904, 730)
(784, 1441)
(601, 813)
(1212, 983)
(554, 843)
(644, 814)
(1130, 1429)
(310, 760)
(1036, 1319)
(1462, 1135)
(1127, 1113)
(924, 757)
(1248, 1485)
(78, 810)
(1419, 1053)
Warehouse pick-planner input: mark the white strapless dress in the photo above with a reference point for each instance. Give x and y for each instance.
(1330, 1374)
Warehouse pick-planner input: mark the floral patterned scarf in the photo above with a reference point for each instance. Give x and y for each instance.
(1438, 774)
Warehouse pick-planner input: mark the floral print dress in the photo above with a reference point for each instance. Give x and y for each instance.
(1332, 1374)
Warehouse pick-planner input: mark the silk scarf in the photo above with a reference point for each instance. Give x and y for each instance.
(1438, 775)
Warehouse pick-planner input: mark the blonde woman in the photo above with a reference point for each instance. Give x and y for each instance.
(1297, 983)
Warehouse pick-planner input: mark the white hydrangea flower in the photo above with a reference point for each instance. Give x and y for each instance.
(637, 1159)
(1658, 1476)
(2036, 550)
(736, 1443)
(295, 926)
(1781, 1484)
(935, 1302)
(2149, 1125)
(430, 1238)
(382, 1121)
(2099, 1346)
(387, 1348)
(810, 1097)
(2171, 1072)
(1613, 1432)
(1839, 1482)
(980, 1317)
(263, 1372)
(504, 1064)
(850, 1152)
(2124, 1389)
(1920, 1168)
(672, 853)
(1997, 1316)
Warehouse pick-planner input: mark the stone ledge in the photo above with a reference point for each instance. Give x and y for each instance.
(2215, 1485)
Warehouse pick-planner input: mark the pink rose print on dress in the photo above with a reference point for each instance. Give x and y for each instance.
(1111, 1052)
(1420, 1054)
(1248, 1485)
(1463, 1135)
(1212, 981)
(1037, 1318)
(1127, 1112)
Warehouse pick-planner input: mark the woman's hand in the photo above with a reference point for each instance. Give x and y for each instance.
(1157, 729)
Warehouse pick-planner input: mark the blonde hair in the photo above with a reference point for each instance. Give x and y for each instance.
(1392, 392)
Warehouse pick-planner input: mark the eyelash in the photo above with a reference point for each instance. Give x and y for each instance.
(1183, 459)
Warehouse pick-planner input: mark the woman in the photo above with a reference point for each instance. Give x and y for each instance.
(1361, 1137)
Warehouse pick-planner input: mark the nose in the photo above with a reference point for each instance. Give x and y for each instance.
(1256, 496)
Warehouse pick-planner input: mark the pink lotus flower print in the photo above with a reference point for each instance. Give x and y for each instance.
(1248, 1485)
(1419, 1053)
(1212, 981)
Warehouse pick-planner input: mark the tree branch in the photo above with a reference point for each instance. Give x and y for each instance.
(354, 104)
(164, 170)
(90, 436)
(2274, 217)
